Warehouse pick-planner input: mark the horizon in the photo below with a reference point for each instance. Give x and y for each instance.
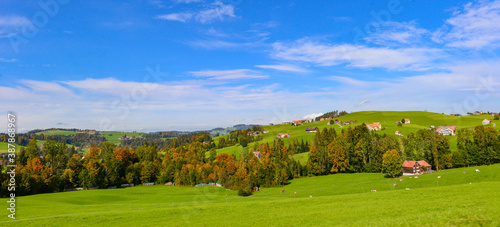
(195, 65)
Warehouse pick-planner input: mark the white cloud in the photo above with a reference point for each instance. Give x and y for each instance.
(181, 17)
(8, 60)
(362, 102)
(466, 86)
(395, 33)
(325, 54)
(127, 105)
(288, 68)
(10, 25)
(237, 74)
(218, 11)
(214, 44)
(312, 116)
(187, 1)
(215, 11)
(477, 26)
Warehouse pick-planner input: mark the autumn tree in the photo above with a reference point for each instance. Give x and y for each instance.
(392, 163)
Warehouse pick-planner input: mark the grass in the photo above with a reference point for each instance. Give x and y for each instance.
(113, 137)
(342, 199)
(56, 132)
(4, 147)
(418, 120)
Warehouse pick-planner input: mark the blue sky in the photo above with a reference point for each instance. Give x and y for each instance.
(153, 65)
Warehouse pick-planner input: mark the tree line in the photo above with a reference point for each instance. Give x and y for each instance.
(57, 166)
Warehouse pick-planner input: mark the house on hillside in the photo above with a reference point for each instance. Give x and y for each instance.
(478, 112)
(265, 131)
(297, 122)
(312, 129)
(455, 115)
(398, 133)
(407, 121)
(322, 119)
(305, 121)
(282, 135)
(487, 121)
(337, 121)
(376, 126)
(348, 122)
(446, 130)
(416, 167)
(257, 154)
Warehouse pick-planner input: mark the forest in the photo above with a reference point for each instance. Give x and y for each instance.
(184, 160)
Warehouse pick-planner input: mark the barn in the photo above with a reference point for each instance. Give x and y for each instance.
(416, 167)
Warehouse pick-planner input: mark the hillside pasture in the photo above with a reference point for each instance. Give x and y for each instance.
(341, 199)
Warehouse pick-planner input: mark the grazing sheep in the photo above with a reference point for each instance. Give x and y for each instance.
(282, 191)
(410, 177)
(400, 180)
(439, 177)
(395, 185)
(477, 171)
(407, 188)
(295, 193)
(374, 190)
(416, 177)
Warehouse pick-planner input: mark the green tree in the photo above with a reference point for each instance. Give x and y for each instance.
(392, 163)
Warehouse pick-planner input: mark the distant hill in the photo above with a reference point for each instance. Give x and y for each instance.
(225, 131)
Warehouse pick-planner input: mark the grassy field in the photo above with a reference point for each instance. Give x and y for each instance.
(342, 199)
(4, 147)
(418, 120)
(56, 132)
(113, 136)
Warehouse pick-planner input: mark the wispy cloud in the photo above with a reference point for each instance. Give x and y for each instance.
(326, 54)
(237, 74)
(214, 44)
(288, 68)
(312, 116)
(10, 25)
(181, 17)
(8, 60)
(476, 26)
(216, 11)
(394, 33)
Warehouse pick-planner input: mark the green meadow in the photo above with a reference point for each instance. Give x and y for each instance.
(113, 137)
(418, 120)
(4, 147)
(56, 132)
(456, 198)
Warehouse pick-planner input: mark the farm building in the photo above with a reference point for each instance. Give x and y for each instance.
(257, 154)
(282, 135)
(376, 126)
(348, 122)
(407, 121)
(416, 167)
(312, 129)
(446, 130)
(398, 133)
(297, 122)
(486, 121)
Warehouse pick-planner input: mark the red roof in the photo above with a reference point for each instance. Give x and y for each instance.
(410, 164)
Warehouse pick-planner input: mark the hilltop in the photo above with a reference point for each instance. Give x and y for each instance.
(418, 120)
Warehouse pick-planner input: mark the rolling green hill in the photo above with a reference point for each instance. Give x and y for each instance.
(456, 198)
(113, 137)
(56, 132)
(418, 120)
(4, 147)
